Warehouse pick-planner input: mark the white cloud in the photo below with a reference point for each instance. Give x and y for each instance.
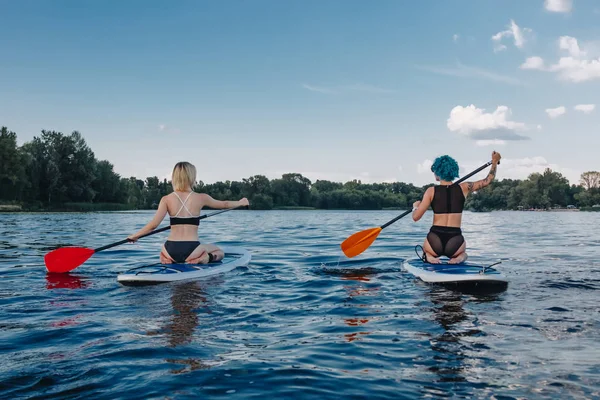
(513, 31)
(559, 6)
(533, 63)
(400, 168)
(556, 112)
(455, 37)
(579, 66)
(576, 70)
(585, 108)
(570, 44)
(493, 142)
(521, 168)
(424, 167)
(464, 71)
(475, 123)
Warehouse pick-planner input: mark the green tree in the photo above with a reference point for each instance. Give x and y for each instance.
(106, 184)
(590, 180)
(152, 192)
(261, 202)
(12, 168)
(326, 186)
(555, 187)
(291, 190)
(255, 185)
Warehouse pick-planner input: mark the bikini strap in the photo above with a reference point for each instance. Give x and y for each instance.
(183, 204)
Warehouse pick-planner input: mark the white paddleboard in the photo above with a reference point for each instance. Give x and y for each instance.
(463, 275)
(161, 273)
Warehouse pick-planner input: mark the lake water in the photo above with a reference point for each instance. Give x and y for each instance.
(295, 323)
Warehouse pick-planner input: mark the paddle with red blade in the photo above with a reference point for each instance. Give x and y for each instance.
(66, 259)
(360, 241)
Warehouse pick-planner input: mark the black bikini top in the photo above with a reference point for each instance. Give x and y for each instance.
(448, 199)
(191, 220)
(185, 221)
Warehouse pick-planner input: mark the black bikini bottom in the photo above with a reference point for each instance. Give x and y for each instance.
(445, 240)
(179, 251)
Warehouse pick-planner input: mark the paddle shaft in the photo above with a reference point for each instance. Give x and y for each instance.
(464, 178)
(404, 214)
(166, 228)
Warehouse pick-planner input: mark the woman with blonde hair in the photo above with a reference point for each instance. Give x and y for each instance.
(184, 206)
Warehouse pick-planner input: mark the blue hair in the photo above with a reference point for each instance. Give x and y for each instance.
(445, 167)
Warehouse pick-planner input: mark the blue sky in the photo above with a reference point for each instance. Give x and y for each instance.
(334, 90)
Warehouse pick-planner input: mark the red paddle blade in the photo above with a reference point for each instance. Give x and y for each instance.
(359, 242)
(66, 258)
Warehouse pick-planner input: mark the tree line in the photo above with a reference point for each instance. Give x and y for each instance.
(58, 171)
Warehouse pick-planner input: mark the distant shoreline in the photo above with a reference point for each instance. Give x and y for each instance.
(17, 209)
(553, 210)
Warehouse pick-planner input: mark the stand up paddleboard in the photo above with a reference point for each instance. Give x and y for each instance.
(161, 273)
(465, 277)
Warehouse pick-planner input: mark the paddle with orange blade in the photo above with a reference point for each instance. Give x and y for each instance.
(66, 259)
(360, 241)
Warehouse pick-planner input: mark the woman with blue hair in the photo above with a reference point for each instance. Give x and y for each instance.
(447, 202)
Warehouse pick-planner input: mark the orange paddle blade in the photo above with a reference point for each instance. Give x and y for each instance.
(66, 258)
(359, 242)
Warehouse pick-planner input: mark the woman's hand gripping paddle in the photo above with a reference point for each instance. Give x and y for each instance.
(66, 259)
(360, 241)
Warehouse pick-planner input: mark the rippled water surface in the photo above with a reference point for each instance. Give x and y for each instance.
(300, 321)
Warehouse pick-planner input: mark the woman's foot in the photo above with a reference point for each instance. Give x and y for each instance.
(461, 258)
(200, 254)
(164, 259)
(203, 259)
(431, 259)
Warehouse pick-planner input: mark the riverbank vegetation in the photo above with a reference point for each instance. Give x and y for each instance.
(59, 172)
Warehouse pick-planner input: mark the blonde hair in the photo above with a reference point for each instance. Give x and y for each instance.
(184, 176)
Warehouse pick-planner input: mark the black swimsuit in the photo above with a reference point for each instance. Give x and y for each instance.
(446, 240)
(179, 251)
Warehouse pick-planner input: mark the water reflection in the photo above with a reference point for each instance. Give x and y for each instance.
(66, 281)
(188, 365)
(357, 291)
(456, 351)
(187, 299)
(66, 303)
